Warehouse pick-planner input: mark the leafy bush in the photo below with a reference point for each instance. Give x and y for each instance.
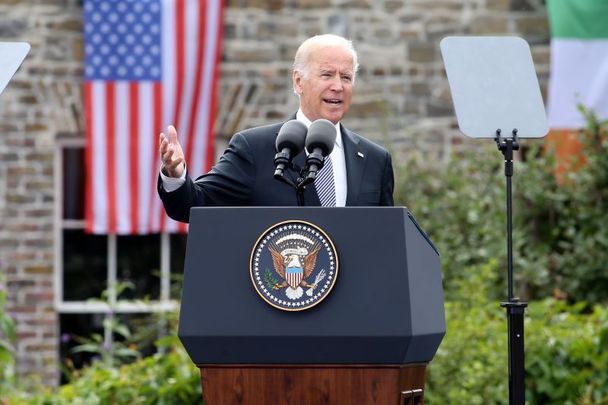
(560, 233)
(7, 339)
(167, 377)
(460, 206)
(470, 366)
(566, 350)
(567, 353)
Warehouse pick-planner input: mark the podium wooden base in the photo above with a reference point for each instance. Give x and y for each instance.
(313, 384)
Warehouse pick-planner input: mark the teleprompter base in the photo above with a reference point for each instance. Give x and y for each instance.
(313, 384)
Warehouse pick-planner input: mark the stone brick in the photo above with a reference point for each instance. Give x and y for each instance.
(355, 4)
(500, 5)
(534, 28)
(70, 24)
(39, 270)
(521, 5)
(12, 28)
(421, 52)
(39, 243)
(39, 296)
(393, 5)
(368, 109)
(265, 4)
(312, 3)
(489, 25)
(19, 198)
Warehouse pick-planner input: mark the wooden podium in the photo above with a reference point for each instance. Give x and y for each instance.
(320, 384)
(367, 342)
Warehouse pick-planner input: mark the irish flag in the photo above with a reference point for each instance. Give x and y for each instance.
(579, 61)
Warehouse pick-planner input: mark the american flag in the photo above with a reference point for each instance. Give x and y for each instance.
(148, 64)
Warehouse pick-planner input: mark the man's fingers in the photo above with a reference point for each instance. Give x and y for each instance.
(172, 165)
(172, 134)
(162, 143)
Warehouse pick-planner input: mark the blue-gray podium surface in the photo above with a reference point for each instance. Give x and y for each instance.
(386, 306)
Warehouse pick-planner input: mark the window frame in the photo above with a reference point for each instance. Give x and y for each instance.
(113, 306)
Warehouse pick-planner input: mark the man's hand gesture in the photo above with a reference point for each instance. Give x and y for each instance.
(171, 154)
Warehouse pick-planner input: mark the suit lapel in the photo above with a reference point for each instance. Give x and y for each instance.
(355, 158)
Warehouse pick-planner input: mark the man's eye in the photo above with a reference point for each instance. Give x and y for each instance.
(347, 78)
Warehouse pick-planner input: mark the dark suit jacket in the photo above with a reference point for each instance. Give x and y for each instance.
(244, 176)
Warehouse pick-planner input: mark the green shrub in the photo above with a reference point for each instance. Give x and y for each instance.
(470, 366)
(7, 339)
(167, 377)
(560, 233)
(566, 350)
(566, 353)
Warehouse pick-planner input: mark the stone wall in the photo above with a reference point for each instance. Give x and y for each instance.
(401, 99)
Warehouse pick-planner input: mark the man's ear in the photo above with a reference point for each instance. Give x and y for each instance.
(297, 81)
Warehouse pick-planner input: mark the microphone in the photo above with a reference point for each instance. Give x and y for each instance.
(289, 143)
(319, 143)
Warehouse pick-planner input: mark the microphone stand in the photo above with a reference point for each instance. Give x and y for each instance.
(305, 178)
(514, 307)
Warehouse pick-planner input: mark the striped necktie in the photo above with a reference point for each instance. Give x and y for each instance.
(324, 183)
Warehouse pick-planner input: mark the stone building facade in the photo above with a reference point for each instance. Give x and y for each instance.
(401, 97)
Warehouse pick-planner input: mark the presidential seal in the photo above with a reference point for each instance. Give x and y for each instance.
(293, 265)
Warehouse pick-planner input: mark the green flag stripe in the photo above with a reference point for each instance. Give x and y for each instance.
(578, 19)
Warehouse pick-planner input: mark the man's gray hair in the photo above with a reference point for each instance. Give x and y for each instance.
(300, 62)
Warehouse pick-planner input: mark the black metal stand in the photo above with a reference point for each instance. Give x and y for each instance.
(305, 178)
(514, 307)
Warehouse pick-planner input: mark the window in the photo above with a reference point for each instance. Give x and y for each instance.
(105, 277)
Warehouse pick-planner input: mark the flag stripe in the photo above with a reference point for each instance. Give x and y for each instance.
(110, 155)
(215, 62)
(154, 218)
(193, 115)
(122, 158)
(134, 143)
(98, 174)
(580, 19)
(198, 52)
(579, 75)
(88, 159)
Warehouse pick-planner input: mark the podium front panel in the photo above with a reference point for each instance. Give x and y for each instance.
(386, 306)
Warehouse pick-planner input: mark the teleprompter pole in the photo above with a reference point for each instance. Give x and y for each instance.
(514, 307)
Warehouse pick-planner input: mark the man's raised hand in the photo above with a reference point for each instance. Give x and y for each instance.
(171, 153)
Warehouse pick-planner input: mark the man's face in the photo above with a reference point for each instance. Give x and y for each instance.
(327, 90)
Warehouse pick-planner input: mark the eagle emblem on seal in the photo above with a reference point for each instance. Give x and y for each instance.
(293, 265)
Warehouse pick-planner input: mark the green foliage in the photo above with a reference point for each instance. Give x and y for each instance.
(560, 233)
(470, 366)
(167, 377)
(119, 374)
(567, 354)
(7, 339)
(575, 239)
(114, 352)
(460, 206)
(566, 350)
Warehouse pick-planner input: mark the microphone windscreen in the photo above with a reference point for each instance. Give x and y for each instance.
(292, 135)
(322, 135)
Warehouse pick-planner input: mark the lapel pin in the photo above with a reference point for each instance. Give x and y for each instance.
(360, 154)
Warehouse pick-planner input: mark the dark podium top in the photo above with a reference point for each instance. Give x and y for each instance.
(386, 306)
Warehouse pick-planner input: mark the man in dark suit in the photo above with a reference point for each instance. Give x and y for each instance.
(361, 172)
